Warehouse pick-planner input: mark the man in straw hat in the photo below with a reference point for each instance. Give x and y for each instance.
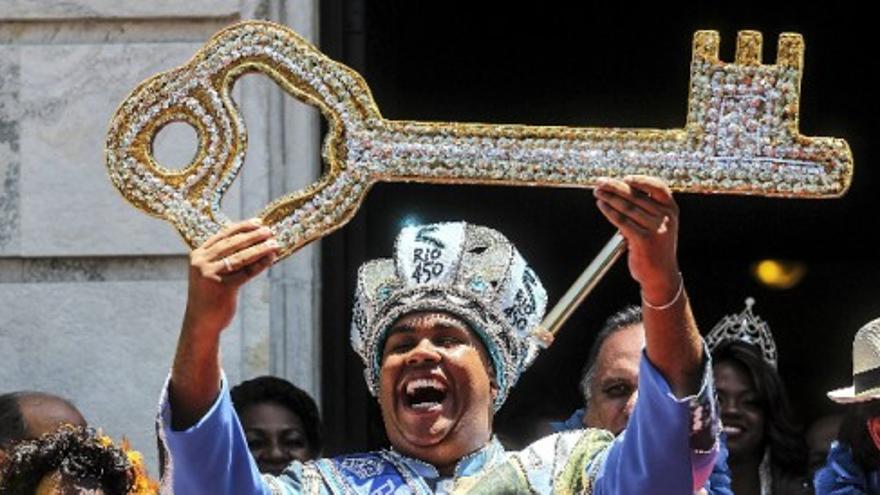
(444, 330)
(853, 465)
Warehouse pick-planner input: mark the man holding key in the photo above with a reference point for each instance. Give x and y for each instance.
(444, 332)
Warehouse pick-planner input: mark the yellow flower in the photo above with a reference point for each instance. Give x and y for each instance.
(135, 457)
(105, 441)
(142, 484)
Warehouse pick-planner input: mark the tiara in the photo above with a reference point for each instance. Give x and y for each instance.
(744, 327)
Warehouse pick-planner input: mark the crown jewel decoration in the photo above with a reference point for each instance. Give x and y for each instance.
(744, 327)
(469, 271)
(741, 137)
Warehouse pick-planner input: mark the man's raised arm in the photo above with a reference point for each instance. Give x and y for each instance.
(643, 209)
(206, 450)
(217, 269)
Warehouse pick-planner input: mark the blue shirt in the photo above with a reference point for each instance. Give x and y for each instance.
(669, 446)
(842, 476)
(718, 482)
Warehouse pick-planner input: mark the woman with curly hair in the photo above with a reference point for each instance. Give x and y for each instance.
(72, 461)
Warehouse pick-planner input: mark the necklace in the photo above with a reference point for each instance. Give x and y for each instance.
(765, 474)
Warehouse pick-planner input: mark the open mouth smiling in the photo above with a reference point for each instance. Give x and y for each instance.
(425, 394)
(732, 428)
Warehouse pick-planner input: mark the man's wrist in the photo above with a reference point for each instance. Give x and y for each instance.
(670, 302)
(663, 289)
(196, 325)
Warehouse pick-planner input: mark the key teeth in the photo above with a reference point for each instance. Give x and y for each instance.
(748, 47)
(706, 45)
(790, 50)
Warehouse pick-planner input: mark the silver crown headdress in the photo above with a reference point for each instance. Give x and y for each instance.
(744, 327)
(470, 271)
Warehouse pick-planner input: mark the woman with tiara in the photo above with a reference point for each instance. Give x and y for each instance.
(767, 451)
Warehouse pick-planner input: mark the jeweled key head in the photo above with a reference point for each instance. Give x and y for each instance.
(743, 122)
(198, 93)
(741, 137)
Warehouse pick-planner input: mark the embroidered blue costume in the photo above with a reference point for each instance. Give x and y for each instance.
(718, 482)
(669, 446)
(475, 274)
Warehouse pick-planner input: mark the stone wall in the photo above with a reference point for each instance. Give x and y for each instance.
(92, 290)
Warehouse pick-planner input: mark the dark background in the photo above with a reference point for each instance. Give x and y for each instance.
(614, 64)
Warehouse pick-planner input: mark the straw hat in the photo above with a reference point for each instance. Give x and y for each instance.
(866, 367)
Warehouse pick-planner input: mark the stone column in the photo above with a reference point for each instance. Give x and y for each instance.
(92, 291)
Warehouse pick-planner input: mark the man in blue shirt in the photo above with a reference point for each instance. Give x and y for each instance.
(445, 329)
(610, 387)
(853, 464)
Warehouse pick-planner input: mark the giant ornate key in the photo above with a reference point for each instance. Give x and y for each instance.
(741, 137)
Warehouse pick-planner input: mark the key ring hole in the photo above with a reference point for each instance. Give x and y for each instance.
(175, 145)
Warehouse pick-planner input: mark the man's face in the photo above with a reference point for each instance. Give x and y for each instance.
(44, 414)
(874, 430)
(436, 389)
(741, 411)
(275, 435)
(615, 385)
